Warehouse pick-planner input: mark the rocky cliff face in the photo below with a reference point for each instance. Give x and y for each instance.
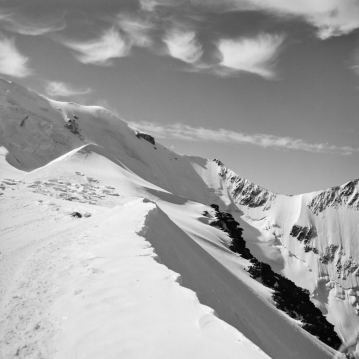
(244, 192)
(346, 195)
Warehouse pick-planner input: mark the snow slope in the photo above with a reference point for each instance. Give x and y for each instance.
(85, 159)
(94, 289)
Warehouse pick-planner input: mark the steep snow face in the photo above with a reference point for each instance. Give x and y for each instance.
(33, 131)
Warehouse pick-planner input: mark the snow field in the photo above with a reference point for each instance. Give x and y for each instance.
(95, 289)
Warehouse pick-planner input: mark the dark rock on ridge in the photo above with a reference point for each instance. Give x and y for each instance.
(244, 192)
(146, 137)
(346, 195)
(76, 214)
(73, 127)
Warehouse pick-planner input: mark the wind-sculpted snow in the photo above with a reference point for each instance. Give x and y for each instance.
(87, 190)
(346, 195)
(244, 192)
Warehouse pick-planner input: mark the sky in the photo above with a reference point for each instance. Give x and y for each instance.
(269, 87)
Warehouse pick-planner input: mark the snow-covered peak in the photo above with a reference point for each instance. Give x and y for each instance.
(243, 191)
(346, 195)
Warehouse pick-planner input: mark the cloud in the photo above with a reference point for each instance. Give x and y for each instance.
(12, 62)
(148, 5)
(183, 45)
(188, 133)
(330, 17)
(100, 51)
(4, 15)
(256, 55)
(26, 27)
(33, 29)
(14, 22)
(136, 29)
(61, 89)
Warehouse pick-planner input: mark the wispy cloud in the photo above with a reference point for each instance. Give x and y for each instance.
(102, 50)
(189, 133)
(62, 89)
(136, 28)
(148, 5)
(330, 17)
(12, 62)
(17, 23)
(183, 45)
(255, 55)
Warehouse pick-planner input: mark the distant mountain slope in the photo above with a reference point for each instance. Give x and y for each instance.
(311, 239)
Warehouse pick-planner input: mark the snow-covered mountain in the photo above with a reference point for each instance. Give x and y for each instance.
(140, 201)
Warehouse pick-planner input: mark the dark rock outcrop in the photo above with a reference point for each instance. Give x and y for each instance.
(76, 214)
(146, 137)
(226, 223)
(295, 301)
(329, 254)
(303, 234)
(73, 127)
